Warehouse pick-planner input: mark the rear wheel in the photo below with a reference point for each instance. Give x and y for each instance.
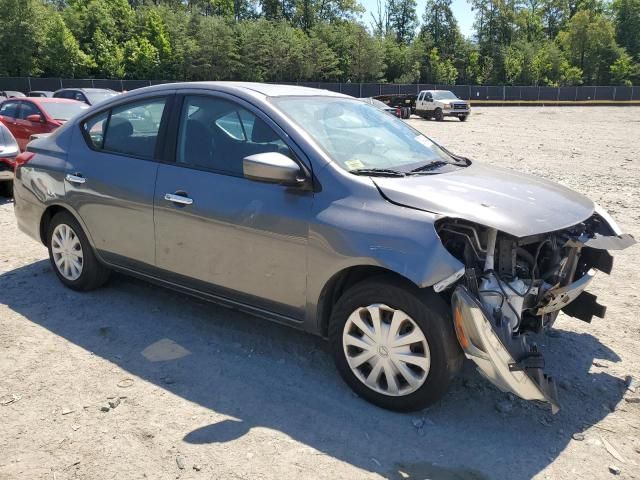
(393, 344)
(6, 189)
(439, 115)
(71, 255)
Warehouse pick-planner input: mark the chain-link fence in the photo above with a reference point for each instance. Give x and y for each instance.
(478, 93)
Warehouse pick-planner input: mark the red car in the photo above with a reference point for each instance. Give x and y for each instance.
(31, 116)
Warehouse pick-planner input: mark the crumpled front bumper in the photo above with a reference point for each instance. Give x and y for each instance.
(506, 360)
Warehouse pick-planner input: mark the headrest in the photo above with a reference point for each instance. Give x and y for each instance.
(120, 127)
(263, 133)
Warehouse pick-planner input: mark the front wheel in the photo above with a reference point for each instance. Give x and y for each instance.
(71, 255)
(393, 344)
(463, 118)
(439, 115)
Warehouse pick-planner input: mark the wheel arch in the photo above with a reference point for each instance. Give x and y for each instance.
(50, 212)
(340, 282)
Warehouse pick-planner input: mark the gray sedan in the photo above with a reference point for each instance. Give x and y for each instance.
(316, 210)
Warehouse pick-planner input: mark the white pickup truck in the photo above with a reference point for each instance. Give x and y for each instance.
(441, 103)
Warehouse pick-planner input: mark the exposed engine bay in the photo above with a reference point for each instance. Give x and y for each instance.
(512, 287)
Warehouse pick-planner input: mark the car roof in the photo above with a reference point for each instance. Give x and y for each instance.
(42, 100)
(266, 89)
(89, 90)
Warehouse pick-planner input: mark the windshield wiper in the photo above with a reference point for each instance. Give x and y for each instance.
(429, 166)
(379, 172)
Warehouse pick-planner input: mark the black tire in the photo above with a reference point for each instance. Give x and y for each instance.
(93, 274)
(463, 118)
(6, 189)
(439, 116)
(431, 315)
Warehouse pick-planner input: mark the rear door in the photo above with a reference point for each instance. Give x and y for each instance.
(111, 178)
(230, 236)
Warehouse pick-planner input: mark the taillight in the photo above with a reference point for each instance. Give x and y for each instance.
(398, 112)
(23, 158)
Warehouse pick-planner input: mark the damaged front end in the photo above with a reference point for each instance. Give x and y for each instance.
(513, 287)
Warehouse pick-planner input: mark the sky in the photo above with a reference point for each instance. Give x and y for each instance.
(461, 9)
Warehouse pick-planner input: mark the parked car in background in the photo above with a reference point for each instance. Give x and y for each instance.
(316, 210)
(9, 150)
(40, 94)
(90, 96)
(395, 111)
(32, 116)
(11, 94)
(441, 103)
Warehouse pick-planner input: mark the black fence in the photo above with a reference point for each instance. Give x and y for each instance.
(480, 93)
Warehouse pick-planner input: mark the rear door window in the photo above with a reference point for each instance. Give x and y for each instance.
(9, 109)
(94, 129)
(133, 128)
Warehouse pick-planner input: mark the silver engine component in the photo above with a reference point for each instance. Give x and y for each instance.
(508, 304)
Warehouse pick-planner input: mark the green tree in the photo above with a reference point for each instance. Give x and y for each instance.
(141, 58)
(366, 59)
(60, 54)
(322, 63)
(442, 71)
(513, 64)
(20, 35)
(108, 56)
(155, 32)
(589, 43)
(217, 57)
(623, 70)
(441, 27)
(402, 19)
(627, 17)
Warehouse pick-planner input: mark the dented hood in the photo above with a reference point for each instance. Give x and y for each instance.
(515, 203)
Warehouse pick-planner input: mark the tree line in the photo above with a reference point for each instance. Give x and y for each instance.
(514, 42)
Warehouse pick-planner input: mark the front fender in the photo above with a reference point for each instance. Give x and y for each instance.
(364, 229)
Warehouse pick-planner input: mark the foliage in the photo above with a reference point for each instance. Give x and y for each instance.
(517, 42)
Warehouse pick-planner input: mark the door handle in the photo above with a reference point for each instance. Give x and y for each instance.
(181, 199)
(75, 178)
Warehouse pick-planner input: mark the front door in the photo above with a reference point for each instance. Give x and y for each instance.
(220, 232)
(110, 179)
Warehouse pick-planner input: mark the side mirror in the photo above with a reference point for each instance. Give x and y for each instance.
(272, 167)
(35, 118)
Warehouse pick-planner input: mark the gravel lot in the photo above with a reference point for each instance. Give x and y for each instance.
(206, 392)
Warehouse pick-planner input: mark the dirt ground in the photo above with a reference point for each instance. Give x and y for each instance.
(209, 393)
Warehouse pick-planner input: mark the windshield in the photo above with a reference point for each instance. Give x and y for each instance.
(64, 111)
(444, 95)
(358, 136)
(95, 97)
